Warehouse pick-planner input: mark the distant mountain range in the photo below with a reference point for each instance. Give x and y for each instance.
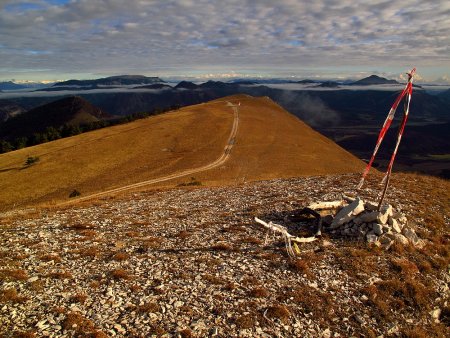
(121, 80)
(9, 85)
(350, 117)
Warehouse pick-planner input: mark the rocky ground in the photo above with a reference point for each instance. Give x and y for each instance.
(192, 262)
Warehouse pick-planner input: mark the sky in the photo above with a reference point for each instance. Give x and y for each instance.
(332, 39)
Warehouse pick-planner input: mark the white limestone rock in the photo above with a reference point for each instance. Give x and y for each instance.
(396, 226)
(383, 215)
(348, 213)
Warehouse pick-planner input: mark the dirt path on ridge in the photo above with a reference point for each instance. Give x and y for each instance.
(218, 162)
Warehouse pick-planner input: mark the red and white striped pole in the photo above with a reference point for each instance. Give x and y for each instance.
(407, 91)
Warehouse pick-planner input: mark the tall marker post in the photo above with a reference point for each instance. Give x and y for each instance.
(407, 91)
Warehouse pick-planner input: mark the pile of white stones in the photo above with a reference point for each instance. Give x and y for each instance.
(362, 220)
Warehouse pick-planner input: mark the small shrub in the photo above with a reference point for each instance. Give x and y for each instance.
(251, 240)
(156, 330)
(132, 234)
(78, 323)
(259, 292)
(193, 182)
(149, 307)
(58, 310)
(299, 265)
(120, 274)
(222, 247)
(120, 256)
(183, 234)
(245, 321)
(424, 266)
(16, 274)
(150, 243)
(230, 286)
(11, 295)
(60, 275)
(212, 279)
(404, 266)
(135, 288)
(94, 284)
(78, 298)
(88, 233)
(24, 334)
(31, 160)
(91, 252)
(74, 193)
(79, 226)
(51, 257)
(186, 333)
(37, 285)
(279, 311)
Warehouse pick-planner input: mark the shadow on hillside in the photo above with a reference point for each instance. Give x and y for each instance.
(299, 224)
(10, 169)
(294, 221)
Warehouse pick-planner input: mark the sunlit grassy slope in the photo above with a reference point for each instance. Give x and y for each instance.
(270, 143)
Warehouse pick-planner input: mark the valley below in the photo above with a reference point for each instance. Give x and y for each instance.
(349, 115)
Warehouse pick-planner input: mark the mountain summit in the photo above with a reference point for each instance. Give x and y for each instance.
(373, 80)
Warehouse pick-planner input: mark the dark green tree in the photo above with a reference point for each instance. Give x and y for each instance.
(5, 146)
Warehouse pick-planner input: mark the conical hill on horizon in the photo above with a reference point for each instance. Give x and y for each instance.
(70, 111)
(268, 142)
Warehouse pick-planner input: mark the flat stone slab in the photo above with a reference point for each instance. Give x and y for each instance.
(348, 213)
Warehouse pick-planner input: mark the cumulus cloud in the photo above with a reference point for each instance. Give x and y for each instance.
(170, 36)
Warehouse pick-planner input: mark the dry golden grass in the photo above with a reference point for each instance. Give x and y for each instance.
(91, 252)
(50, 257)
(186, 333)
(60, 275)
(246, 321)
(120, 274)
(78, 323)
(279, 311)
(11, 295)
(270, 143)
(222, 246)
(78, 298)
(13, 274)
(120, 256)
(259, 292)
(397, 294)
(149, 307)
(299, 265)
(22, 334)
(212, 279)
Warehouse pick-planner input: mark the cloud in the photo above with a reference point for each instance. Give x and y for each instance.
(168, 36)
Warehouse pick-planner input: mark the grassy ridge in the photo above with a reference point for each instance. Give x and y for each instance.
(270, 143)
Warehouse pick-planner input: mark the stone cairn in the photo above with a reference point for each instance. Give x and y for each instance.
(352, 218)
(362, 220)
